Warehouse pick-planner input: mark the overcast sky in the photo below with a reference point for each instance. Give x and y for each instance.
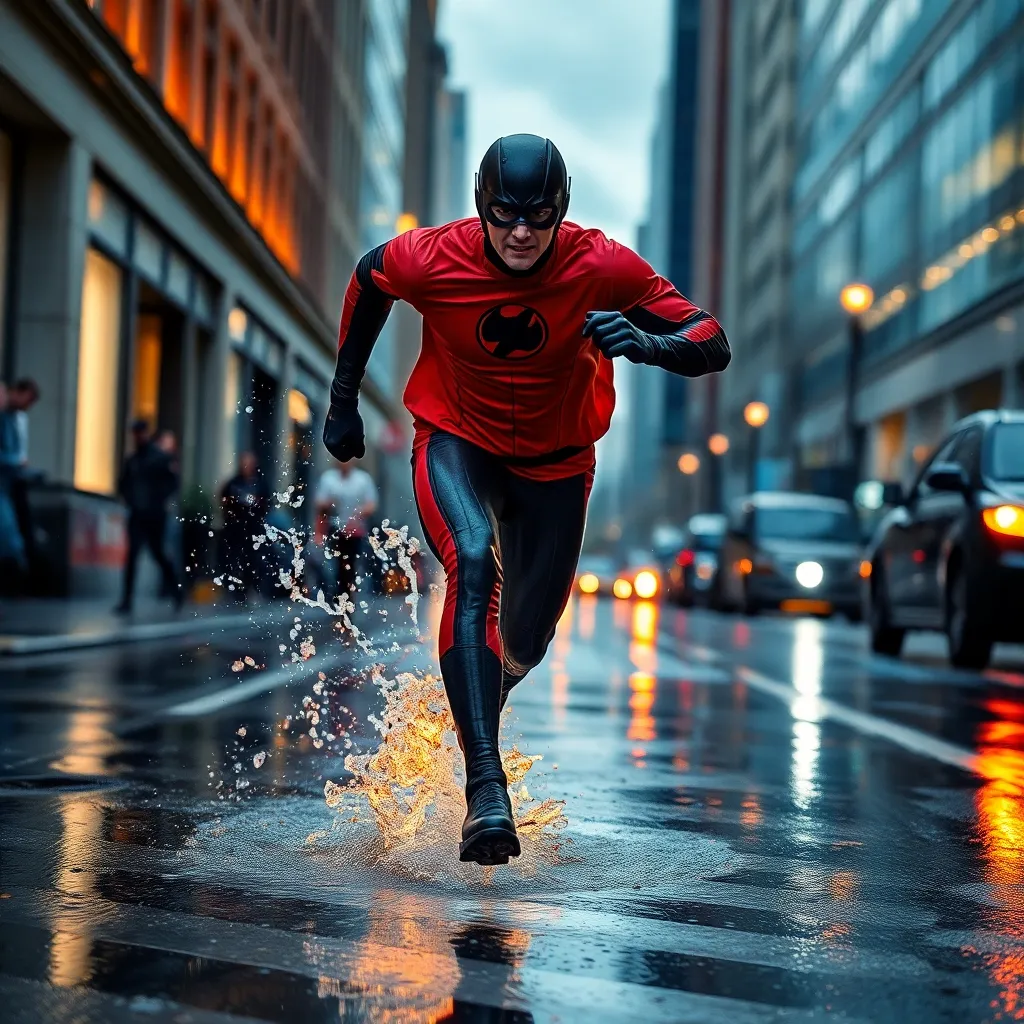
(583, 73)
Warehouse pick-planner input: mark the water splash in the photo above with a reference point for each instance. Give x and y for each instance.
(411, 785)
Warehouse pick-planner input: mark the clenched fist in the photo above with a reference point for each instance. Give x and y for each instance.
(343, 432)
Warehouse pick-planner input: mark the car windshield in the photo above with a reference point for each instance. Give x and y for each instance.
(1008, 451)
(706, 541)
(806, 524)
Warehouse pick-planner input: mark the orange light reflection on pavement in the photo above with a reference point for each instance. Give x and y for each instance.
(1000, 807)
(588, 616)
(642, 728)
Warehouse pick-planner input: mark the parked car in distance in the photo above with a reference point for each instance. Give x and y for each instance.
(596, 574)
(640, 576)
(692, 575)
(950, 555)
(794, 552)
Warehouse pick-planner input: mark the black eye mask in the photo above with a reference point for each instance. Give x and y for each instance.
(541, 215)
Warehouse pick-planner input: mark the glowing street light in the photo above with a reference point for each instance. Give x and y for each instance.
(856, 298)
(406, 222)
(756, 414)
(718, 444)
(688, 463)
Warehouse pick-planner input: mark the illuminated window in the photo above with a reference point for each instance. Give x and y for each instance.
(248, 170)
(179, 71)
(232, 394)
(146, 383)
(210, 46)
(96, 423)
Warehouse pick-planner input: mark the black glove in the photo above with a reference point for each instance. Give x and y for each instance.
(343, 432)
(614, 335)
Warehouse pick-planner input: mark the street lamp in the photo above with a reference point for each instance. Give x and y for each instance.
(856, 300)
(756, 415)
(688, 463)
(718, 444)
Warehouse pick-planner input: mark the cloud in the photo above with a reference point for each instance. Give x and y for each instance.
(584, 73)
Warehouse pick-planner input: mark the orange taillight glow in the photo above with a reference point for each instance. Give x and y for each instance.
(744, 566)
(865, 569)
(1007, 520)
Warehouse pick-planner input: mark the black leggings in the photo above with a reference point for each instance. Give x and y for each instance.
(509, 547)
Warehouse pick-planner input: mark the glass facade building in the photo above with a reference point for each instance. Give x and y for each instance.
(909, 177)
(380, 202)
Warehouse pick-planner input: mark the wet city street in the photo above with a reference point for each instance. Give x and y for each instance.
(762, 821)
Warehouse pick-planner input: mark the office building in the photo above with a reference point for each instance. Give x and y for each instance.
(909, 177)
(179, 201)
(746, 152)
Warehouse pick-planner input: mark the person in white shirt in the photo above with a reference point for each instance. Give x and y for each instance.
(346, 497)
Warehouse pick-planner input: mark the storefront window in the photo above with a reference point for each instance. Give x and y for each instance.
(98, 358)
(5, 230)
(230, 412)
(149, 252)
(108, 217)
(146, 389)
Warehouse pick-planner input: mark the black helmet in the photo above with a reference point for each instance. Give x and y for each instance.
(523, 177)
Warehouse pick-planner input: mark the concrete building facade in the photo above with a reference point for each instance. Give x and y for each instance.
(909, 176)
(165, 168)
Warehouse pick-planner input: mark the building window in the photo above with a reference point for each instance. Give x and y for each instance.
(210, 46)
(5, 227)
(252, 113)
(179, 73)
(233, 163)
(99, 346)
(146, 383)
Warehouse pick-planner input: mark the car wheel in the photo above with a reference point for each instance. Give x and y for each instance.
(970, 641)
(885, 638)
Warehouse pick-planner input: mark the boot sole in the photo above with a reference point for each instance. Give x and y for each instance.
(490, 846)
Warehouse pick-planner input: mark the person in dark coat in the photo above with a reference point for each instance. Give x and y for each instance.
(245, 502)
(148, 481)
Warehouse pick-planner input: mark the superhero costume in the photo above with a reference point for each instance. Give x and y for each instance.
(512, 388)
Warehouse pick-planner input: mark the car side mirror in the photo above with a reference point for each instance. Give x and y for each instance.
(948, 476)
(892, 494)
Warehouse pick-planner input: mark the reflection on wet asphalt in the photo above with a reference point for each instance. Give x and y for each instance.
(765, 822)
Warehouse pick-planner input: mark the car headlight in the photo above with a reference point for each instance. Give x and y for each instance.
(809, 574)
(589, 583)
(646, 584)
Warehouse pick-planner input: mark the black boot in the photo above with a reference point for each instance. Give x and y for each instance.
(472, 680)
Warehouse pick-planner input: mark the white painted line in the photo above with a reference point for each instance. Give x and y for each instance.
(264, 682)
(804, 706)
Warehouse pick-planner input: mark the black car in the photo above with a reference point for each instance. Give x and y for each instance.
(692, 575)
(950, 554)
(794, 552)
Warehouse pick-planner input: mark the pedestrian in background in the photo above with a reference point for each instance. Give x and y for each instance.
(346, 497)
(245, 502)
(14, 465)
(147, 483)
(167, 442)
(13, 564)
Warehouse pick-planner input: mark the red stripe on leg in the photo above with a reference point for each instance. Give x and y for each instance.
(441, 538)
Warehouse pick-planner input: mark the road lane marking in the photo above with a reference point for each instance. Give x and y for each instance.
(270, 680)
(802, 705)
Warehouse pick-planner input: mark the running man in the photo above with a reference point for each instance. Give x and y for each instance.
(523, 313)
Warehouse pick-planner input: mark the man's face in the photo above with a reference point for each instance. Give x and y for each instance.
(21, 399)
(520, 246)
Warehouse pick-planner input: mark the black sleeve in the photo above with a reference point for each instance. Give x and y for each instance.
(691, 347)
(365, 312)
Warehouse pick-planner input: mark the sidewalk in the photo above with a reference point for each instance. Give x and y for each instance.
(37, 625)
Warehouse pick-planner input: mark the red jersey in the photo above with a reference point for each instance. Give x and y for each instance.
(504, 364)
